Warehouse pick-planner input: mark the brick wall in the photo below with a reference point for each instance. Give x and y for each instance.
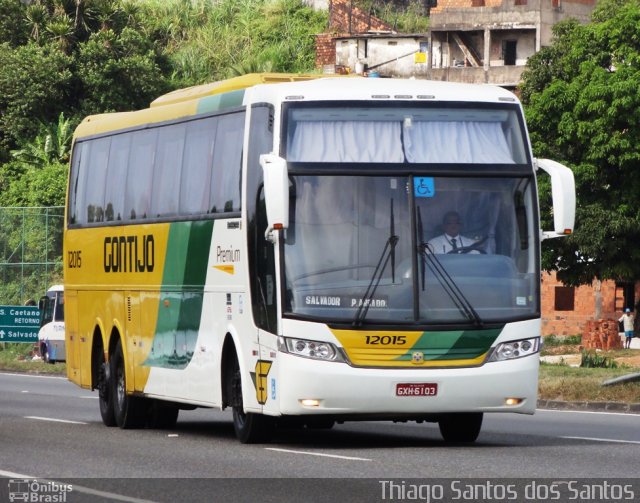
(573, 322)
(344, 19)
(463, 4)
(325, 50)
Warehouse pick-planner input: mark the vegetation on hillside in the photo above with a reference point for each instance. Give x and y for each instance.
(65, 59)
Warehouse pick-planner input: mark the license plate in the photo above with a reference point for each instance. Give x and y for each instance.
(417, 389)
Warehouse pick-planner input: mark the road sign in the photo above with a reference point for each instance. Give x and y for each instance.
(19, 323)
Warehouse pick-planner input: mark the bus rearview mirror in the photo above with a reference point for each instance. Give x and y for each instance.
(276, 191)
(563, 194)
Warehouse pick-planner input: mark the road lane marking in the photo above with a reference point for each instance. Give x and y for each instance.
(613, 440)
(38, 376)
(608, 413)
(351, 458)
(54, 420)
(77, 488)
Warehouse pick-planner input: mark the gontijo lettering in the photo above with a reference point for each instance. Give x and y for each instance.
(129, 253)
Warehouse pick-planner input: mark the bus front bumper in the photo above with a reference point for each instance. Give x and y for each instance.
(308, 386)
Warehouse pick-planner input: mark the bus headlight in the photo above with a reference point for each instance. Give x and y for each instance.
(317, 350)
(515, 349)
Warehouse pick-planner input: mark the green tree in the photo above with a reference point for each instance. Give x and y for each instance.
(35, 86)
(51, 145)
(37, 175)
(14, 29)
(119, 71)
(583, 108)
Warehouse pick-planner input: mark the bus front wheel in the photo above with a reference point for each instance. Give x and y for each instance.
(250, 428)
(460, 428)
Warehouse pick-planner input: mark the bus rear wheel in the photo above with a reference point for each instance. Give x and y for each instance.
(250, 428)
(105, 395)
(129, 411)
(461, 428)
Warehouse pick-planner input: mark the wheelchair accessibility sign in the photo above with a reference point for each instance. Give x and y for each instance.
(423, 186)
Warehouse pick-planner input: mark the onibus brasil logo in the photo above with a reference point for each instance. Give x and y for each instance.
(36, 491)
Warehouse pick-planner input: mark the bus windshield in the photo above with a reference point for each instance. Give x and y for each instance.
(457, 134)
(411, 249)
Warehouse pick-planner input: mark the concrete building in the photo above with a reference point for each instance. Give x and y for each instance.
(490, 41)
(475, 41)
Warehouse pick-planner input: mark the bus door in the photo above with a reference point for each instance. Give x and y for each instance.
(72, 337)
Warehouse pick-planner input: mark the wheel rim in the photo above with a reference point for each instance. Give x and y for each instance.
(120, 388)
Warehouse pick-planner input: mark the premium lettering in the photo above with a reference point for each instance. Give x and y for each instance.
(129, 253)
(227, 255)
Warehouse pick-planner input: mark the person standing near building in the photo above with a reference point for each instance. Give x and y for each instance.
(627, 324)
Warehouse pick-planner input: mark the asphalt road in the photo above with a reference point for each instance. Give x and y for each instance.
(51, 429)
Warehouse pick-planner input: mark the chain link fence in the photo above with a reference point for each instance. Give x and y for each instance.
(30, 252)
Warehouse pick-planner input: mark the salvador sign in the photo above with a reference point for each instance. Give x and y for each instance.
(19, 323)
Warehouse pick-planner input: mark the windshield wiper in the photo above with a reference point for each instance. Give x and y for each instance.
(388, 254)
(430, 259)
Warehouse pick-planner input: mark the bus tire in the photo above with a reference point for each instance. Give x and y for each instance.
(105, 395)
(460, 428)
(250, 428)
(129, 411)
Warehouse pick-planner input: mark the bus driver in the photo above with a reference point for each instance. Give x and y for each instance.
(451, 240)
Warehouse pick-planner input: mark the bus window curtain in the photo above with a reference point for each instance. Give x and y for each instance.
(465, 142)
(346, 141)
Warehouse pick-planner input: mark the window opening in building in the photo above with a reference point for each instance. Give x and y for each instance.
(565, 298)
(509, 52)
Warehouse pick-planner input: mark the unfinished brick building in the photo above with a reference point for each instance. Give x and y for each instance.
(476, 41)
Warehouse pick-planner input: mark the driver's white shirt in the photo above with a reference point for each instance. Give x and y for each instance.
(444, 243)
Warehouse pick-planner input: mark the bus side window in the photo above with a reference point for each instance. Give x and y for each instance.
(46, 310)
(59, 309)
(261, 253)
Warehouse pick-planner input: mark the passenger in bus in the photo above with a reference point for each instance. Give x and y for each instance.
(451, 241)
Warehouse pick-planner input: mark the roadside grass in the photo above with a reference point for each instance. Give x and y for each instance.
(554, 345)
(17, 357)
(561, 382)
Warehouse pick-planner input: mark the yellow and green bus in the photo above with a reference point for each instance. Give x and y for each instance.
(267, 243)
